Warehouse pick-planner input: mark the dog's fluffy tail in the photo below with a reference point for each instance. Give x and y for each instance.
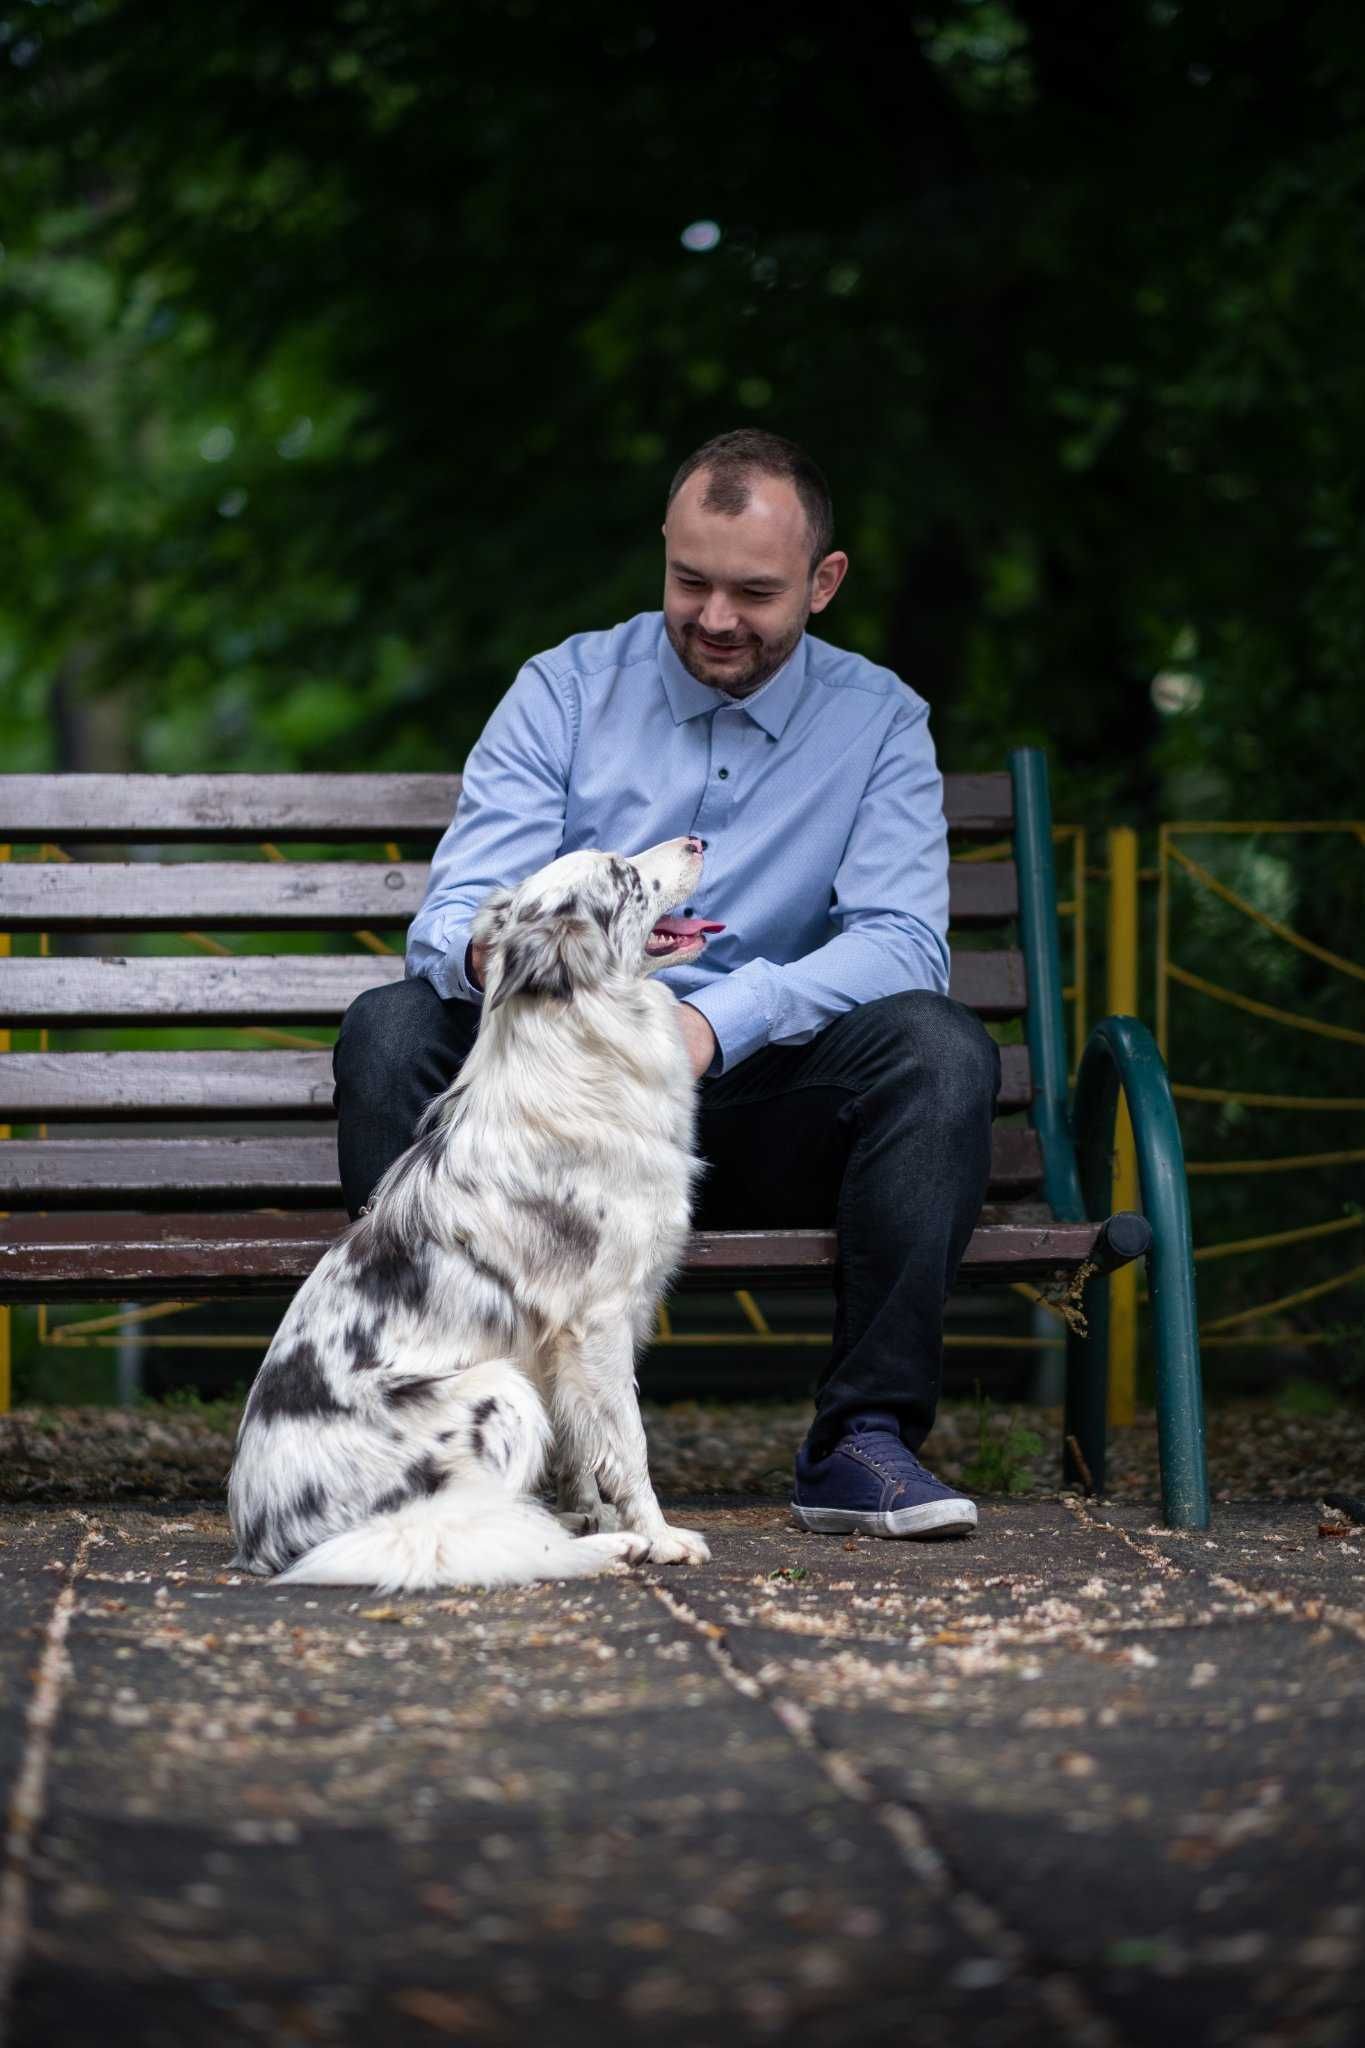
(472, 1533)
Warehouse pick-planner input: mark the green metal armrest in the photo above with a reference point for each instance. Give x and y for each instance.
(1121, 1053)
(1077, 1143)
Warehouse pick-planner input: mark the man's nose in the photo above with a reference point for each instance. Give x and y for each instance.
(717, 615)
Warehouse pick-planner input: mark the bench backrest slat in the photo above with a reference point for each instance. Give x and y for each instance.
(289, 1172)
(57, 1087)
(339, 895)
(136, 810)
(331, 809)
(249, 988)
(265, 988)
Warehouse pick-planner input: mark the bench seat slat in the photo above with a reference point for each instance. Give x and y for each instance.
(161, 1173)
(314, 988)
(202, 1258)
(338, 895)
(330, 809)
(42, 1087)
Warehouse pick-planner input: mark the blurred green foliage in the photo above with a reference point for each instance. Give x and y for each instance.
(347, 348)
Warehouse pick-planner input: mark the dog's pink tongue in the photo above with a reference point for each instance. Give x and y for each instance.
(686, 927)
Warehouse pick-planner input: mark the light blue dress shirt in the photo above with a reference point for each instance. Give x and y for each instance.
(819, 799)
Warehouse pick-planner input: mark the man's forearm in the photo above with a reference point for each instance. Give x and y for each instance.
(763, 1003)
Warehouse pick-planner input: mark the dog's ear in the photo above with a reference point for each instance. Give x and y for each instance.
(549, 955)
(491, 917)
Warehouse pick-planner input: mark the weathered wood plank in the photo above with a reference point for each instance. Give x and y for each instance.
(292, 1172)
(213, 1257)
(984, 892)
(992, 984)
(264, 895)
(151, 1258)
(169, 1173)
(137, 810)
(807, 1258)
(979, 806)
(1016, 1079)
(261, 988)
(49, 1087)
(331, 809)
(90, 896)
(256, 988)
(52, 1087)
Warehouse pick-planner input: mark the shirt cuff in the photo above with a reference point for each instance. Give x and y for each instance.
(446, 965)
(737, 1017)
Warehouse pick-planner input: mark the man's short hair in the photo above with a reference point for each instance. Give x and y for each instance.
(735, 459)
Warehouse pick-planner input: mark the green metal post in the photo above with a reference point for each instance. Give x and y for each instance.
(1122, 1053)
(1042, 956)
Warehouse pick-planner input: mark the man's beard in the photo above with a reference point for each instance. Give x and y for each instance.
(740, 678)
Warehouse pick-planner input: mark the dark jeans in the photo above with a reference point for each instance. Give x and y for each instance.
(880, 1126)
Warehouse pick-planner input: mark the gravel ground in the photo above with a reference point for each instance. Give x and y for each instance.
(181, 1452)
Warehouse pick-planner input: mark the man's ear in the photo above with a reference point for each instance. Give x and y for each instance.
(829, 574)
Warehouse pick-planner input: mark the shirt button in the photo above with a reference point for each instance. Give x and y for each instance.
(724, 774)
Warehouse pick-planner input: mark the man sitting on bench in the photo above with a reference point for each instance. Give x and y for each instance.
(839, 1083)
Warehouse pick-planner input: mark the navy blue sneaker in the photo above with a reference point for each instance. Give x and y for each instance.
(871, 1482)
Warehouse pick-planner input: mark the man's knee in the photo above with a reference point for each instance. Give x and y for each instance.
(936, 1041)
(389, 1027)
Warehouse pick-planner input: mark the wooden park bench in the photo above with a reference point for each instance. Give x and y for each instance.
(137, 1216)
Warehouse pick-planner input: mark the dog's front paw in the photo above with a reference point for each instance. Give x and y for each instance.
(678, 1546)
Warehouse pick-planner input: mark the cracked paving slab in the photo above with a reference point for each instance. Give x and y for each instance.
(309, 1815)
(1075, 1780)
(1153, 1779)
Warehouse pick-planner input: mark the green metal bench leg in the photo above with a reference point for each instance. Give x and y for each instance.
(1123, 1053)
(1087, 1391)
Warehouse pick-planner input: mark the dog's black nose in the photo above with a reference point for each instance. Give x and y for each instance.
(695, 845)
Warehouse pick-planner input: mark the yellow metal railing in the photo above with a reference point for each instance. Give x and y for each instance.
(1122, 1001)
(1173, 859)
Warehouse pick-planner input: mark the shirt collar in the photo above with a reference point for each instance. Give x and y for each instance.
(769, 707)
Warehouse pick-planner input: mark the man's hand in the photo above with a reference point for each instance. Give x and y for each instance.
(477, 962)
(698, 1037)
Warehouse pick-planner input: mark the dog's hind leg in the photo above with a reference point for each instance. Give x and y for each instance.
(494, 1422)
(464, 1515)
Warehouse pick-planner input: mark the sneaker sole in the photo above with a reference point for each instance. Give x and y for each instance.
(936, 1518)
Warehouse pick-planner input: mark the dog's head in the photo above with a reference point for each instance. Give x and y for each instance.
(590, 918)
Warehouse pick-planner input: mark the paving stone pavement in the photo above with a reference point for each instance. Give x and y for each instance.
(1075, 1780)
